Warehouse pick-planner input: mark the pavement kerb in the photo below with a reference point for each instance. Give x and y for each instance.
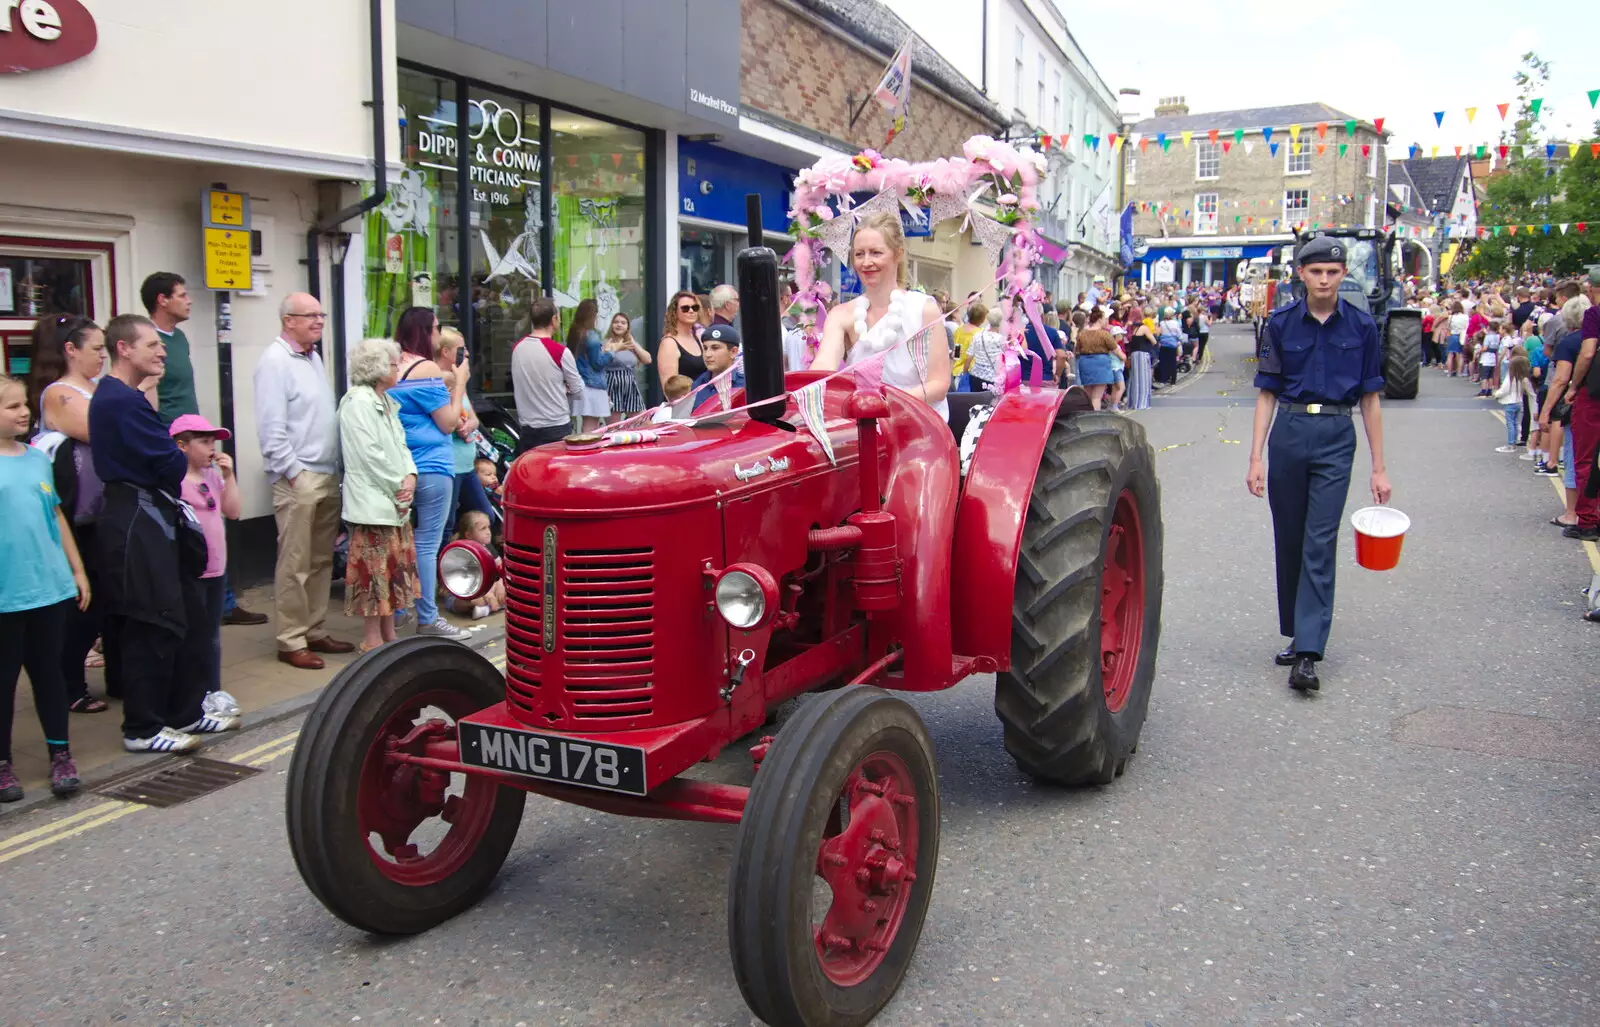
(255, 722)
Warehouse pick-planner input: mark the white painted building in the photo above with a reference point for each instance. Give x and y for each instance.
(1022, 55)
(106, 156)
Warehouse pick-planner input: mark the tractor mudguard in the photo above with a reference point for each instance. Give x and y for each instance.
(990, 516)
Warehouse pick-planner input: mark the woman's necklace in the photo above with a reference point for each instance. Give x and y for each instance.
(891, 329)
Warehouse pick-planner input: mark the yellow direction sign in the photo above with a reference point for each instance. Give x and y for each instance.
(225, 208)
(227, 259)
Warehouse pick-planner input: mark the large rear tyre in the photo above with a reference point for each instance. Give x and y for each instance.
(390, 847)
(1402, 354)
(835, 861)
(1086, 615)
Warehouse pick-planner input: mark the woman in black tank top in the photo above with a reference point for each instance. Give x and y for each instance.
(684, 355)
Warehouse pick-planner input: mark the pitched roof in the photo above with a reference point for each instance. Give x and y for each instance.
(1436, 179)
(878, 28)
(1398, 176)
(1249, 119)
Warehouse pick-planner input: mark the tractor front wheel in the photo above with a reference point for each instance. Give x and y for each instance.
(391, 847)
(1086, 615)
(835, 861)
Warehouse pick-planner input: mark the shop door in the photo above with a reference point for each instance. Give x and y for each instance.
(47, 278)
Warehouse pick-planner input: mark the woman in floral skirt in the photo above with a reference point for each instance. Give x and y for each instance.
(380, 481)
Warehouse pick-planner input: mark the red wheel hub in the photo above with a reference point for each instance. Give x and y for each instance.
(1121, 602)
(868, 858)
(395, 799)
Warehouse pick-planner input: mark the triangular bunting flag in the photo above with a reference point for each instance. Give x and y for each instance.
(1116, 143)
(1250, 147)
(1226, 145)
(1165, 145)
(1144, 144)
(1321, 149)
(1582, 225)
(1482, 150)
(1546, 229)
(1438, 118)
(1496, 231)
(1458, 151)
(1594, 150)
(1472, 112)
(1238, 135)
(1377, 125)
(1343, 147)
(1549, 151)
(808, 400)
(1045, 140)
(1503, 151)
(1594, 96)
(1161, 139)
(1186, 137)
(1535, 104)
(1266, 135)
(1563, 227)
(1366, 149)
(1435, 152)
(1294, 132)
(1212, 135)
(1512, 229)
(1502, 108)
(1572, 149)
(1322, 130)
(1274, 148)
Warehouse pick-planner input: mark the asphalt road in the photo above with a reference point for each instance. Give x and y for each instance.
(1415, 845)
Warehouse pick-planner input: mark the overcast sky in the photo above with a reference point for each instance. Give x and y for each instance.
(1419, 56)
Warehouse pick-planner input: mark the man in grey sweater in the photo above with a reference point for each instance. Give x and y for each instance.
(297, 424)
(544, 379)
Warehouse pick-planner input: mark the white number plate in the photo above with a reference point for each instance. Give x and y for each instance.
(559, 758)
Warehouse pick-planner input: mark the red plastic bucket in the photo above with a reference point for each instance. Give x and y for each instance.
(1380, 531)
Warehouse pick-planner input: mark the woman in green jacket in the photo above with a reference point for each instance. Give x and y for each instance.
(380, 481)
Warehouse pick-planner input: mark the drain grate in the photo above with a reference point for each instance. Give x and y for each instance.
(174, 783)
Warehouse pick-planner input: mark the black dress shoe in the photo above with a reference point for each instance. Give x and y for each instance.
(1304, 675)
(1284, 658)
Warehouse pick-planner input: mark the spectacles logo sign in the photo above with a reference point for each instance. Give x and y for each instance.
(40, 34)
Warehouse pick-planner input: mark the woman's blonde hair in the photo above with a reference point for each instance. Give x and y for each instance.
(670, 325)
(886, 224)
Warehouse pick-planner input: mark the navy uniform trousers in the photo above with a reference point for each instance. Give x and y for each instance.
(1308, 476)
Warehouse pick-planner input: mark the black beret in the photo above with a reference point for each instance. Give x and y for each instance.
(1323, 249)
(723, 333)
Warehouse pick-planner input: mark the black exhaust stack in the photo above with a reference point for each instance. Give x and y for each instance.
(763, 328)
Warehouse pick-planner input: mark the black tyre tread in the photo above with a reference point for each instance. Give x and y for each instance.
(1402, 354)
(774, 816)
(1050, 702)
(315, 770)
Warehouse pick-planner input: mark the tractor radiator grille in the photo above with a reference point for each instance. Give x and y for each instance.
(603, 658)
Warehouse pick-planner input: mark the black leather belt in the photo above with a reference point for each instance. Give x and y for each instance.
(1343, 410)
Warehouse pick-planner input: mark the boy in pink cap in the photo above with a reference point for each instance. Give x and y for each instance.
(212, 492)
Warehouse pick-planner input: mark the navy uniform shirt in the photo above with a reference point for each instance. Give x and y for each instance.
(1304, 360)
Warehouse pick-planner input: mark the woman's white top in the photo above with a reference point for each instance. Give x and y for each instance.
(902, 320)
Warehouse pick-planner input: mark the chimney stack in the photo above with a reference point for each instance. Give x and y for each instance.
(1171, 105)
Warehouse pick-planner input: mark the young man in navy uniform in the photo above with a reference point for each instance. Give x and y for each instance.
(1320, 359)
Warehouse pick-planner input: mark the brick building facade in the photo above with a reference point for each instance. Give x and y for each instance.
(809, 63)
(1206, 206)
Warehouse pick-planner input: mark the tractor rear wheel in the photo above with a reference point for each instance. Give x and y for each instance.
(390, 847)
(1402, 354)
(835, 861)
(1086, 614)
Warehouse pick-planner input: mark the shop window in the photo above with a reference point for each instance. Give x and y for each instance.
(598, 219)
(412, 252)
(505, 228)
(48, 278)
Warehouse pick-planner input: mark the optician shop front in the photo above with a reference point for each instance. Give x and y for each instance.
(506, 198)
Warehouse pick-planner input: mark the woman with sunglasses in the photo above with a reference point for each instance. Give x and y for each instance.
(679, 351)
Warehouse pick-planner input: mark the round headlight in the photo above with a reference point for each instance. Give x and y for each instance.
(741, 599)
(462, 572)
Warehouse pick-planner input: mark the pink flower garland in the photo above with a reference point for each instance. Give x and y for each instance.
(984, 162)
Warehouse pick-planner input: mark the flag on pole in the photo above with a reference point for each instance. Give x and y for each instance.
(894, 91)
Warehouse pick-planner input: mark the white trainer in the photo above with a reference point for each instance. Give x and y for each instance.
(220, 704)
(165, 740)
(209, 725)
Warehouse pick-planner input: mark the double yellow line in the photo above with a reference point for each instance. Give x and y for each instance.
(104, 813)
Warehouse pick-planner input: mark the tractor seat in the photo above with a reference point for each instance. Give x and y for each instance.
(961, 406)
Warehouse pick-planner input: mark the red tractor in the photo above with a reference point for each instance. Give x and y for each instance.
(664, 599)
